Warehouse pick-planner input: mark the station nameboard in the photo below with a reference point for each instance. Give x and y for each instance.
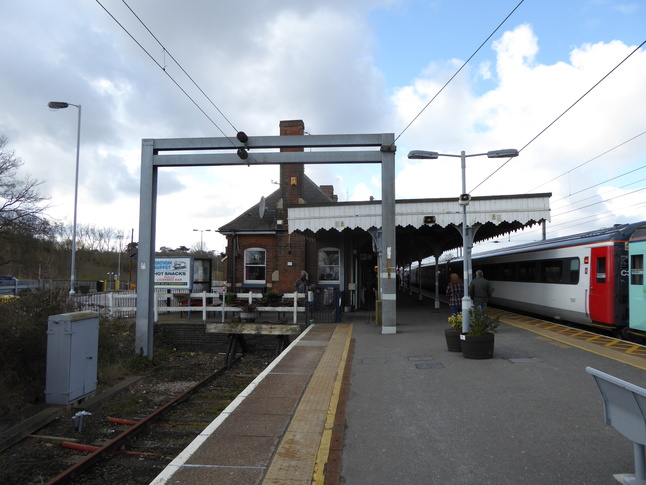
(174, 273)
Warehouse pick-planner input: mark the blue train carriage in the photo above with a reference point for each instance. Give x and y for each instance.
(637, 288)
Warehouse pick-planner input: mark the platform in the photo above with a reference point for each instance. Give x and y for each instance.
(416, 413)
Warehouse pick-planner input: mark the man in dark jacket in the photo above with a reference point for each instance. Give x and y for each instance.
(480, 290)
(301, 283)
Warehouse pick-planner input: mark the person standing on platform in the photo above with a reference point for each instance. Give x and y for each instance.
(480, 290)
(455, 293)
(301, 283)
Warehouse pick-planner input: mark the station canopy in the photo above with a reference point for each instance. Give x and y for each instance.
(427, 227)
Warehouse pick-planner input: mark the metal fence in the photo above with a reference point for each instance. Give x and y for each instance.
(13, 286)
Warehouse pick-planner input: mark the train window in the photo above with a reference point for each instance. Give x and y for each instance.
(601, 270)
(507, 272)
(574, 270)
(551, 271)
(637, 269)
(527, 271)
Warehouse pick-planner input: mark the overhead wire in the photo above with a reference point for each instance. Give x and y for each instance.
(585, 163)
(604, 193)
(165, 72)
(562, 114)
(604, 182)
(458, 71)
(179, 65)
(600, 202)
(601, 215)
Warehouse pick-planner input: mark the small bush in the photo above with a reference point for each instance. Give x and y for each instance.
(23, 346)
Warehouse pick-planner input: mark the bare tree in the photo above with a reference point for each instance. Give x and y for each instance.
(21, 205)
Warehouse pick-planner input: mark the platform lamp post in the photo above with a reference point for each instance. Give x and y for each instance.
(61, 105)
(118, 282)
(467, 236)
(201, 237)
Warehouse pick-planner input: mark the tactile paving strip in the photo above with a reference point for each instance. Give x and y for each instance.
(573, 335)
(303, 449)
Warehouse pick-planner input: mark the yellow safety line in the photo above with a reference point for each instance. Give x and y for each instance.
(299, 452)
(629, 358)
(326, 440)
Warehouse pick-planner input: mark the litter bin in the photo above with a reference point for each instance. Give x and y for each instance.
(100, 286)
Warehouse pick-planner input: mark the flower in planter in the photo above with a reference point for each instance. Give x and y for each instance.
(249, 307)
(230, 298)
(480, 322)
(272, 297)
(455, 320)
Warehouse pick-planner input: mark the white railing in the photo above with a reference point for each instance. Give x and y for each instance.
(124, 304)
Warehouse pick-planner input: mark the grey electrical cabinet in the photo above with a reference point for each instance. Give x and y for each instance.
(72, 351)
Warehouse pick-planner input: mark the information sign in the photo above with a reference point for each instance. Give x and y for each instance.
(174, 273)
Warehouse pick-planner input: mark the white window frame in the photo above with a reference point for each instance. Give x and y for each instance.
(263, 265)
(337, 265)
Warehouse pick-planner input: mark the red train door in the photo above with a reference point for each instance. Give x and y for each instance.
(601, 297)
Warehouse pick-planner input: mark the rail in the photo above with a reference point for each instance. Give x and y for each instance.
(237, 332)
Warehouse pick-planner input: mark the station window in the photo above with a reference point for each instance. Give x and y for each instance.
(254, 265)
(329, 265)
(637, 269)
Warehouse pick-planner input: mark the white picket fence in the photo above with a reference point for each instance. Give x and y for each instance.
(124, 304)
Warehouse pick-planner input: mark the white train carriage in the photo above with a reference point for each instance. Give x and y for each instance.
(581, 278)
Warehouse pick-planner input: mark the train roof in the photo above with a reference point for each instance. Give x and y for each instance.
(618, 232)
(639, 234)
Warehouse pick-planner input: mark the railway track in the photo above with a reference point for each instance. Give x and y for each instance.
(133, 436)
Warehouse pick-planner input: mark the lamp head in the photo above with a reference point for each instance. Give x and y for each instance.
(422, 155)
(57, 104)
(506, 153)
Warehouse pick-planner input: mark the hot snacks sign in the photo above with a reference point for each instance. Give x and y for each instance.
(173, 273)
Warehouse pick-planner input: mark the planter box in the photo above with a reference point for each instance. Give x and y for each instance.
(477, 346)
(453, 342)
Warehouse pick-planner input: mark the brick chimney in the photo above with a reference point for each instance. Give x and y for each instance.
(329, 191)
(292, 175)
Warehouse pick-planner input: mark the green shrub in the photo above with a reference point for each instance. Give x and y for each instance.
(479, 324)
(23, 346)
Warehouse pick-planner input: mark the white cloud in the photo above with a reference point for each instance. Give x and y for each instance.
(284, 61)
(528, 97)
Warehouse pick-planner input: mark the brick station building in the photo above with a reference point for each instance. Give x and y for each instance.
(261, 253)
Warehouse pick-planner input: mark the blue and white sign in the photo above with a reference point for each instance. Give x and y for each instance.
(174, 273)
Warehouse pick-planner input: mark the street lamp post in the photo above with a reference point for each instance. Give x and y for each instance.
(62, 105)
(119, 237)
(467, 236)
(201, 237)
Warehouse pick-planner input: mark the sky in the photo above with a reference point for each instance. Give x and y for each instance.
(563, 82)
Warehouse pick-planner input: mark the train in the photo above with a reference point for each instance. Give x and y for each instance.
(594, 278)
